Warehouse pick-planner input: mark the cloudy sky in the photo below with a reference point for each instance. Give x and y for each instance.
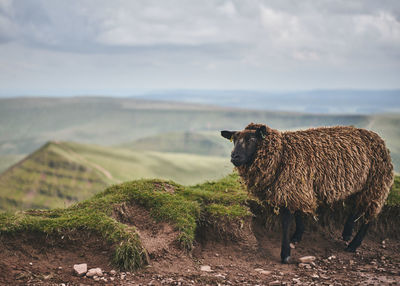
(121, 47)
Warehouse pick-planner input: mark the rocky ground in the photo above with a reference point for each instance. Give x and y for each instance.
(254, 260)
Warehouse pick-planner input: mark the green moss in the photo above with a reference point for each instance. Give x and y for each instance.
(216, 203)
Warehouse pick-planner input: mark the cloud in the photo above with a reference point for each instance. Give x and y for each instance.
(219, 41)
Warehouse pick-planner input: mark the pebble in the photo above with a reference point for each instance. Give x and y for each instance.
(292, 246)
(80, 269)
(113, 272)
(307, 259)
(205, 268)
(262, 271)
(276, 282)
(94, 272)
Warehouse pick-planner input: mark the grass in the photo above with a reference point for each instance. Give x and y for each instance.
(394, 195)
(219, 205)
(186, 208)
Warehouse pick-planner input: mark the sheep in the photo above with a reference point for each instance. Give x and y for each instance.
(295, 172)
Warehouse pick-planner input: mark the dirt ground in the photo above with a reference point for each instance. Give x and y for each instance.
(254, 260)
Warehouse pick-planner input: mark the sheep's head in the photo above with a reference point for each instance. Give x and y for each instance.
(245, 143)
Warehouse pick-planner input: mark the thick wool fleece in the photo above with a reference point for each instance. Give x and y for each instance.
(303, 169)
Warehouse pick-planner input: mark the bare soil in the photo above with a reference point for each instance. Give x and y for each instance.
(252, 260)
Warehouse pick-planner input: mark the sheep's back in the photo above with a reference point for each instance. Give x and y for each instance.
(325, 164)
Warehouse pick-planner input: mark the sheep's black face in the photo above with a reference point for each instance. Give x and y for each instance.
(245, 145)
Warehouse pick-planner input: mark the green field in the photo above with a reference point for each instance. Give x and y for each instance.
(61, 173)
(203, 143)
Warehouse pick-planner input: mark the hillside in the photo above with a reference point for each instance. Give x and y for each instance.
(203, 143)
(193, 235)
(61, 173)
(28, 123)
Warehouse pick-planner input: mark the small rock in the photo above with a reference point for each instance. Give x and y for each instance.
(315, 275)
(113, 272)
(292, 246)
(307, 259)
(80, 269)
(96, 278)
(30, 263)
(331, 257)
(112, 278)
(94, 272)
(296, 280)
(59, 268)
(303, 265)
(205, 268)
(273, 283)
(262, 271)
(216, 254)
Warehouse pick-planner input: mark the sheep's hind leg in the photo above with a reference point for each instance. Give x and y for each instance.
(348, 227)
(298, 234)
(356, 242)
(286, 217)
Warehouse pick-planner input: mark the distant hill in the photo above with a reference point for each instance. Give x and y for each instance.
(205, 143)
(28, 123)
(61, 173)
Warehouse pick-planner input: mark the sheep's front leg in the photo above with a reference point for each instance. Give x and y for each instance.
(298, 234)
(286, 217)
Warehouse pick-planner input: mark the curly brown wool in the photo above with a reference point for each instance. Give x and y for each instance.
(299, 170)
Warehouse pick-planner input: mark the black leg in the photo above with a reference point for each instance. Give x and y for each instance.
(286, 217)
(356, 242)
(348, 227)
(298, 234)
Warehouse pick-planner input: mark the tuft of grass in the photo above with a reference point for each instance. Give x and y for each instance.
(394, 195)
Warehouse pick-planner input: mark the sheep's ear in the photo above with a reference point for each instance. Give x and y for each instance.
(227, 134)
(261, 132)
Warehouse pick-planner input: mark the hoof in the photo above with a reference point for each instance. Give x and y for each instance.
(346, 237)
(286, 260)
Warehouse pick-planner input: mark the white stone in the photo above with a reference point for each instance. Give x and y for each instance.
(205, 268)
(307, 259)
(94, 272)
(113, 272)
(80, 269)
(262, 271)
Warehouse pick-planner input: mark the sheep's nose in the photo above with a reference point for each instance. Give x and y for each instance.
(234, 156)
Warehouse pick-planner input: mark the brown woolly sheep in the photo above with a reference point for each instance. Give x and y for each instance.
(298, 171)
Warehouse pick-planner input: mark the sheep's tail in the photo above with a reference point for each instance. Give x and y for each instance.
(378, 185)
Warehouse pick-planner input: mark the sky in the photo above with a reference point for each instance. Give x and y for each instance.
(120, 47)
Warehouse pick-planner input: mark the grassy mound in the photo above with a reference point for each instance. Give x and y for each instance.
(221, 206)
(215, 204)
